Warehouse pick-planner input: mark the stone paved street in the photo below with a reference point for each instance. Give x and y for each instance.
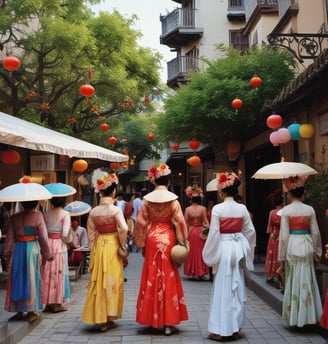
(263, 324)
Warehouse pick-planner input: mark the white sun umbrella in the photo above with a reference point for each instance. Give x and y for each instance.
(283, 170)
(212, 185)
(22, 192)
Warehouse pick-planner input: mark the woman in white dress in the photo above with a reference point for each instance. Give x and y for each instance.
(299, 248)
(229, 249)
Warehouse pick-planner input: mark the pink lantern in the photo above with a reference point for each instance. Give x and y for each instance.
(284, 135)
(274, 138)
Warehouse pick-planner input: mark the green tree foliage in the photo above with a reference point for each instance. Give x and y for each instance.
(202, 109)
(62, 46)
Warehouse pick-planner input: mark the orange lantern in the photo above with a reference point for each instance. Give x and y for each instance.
(115, 166)
(87, 90)
(194, 160)
(237, 104)
(124, 164)
(150, 136)
(104, 127)
(194, 144)
(125, 151)
(80, 165)
(112, 140)
(255, 81)
(10, 157)
(11, 63)
(132, 162)
(175, 146)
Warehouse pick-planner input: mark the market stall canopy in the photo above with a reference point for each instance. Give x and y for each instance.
(17, 132)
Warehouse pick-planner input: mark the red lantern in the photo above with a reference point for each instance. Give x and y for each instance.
(274, 121)
(194, 144)
(124, 164)
(104, 127)
(87, 90)
(10, 157)
(237, 104)
(194, 160)
(112, 140)
(80, 165)
(175, 146)
(146, 100)
(151, 136)
(125, 151)
(255, 81)
(11, 63)
(115, 166)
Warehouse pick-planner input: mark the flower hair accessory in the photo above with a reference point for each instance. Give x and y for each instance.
(194, 191)
(158, 171)
(105, 182)
(292, 183)
(227, 179)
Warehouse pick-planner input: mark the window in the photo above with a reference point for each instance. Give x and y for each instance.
(238, 40)
(236, 3)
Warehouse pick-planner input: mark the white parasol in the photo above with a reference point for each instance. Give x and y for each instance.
(212, 185)
(283, 170)
(78, 208)
(22, 192)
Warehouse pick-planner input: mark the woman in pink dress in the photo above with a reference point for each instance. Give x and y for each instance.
(196, 219)
(55, 275)
(273, 229)
(161, 300)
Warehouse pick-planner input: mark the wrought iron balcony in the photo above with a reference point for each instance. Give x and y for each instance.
(179, 68)
(178, 28)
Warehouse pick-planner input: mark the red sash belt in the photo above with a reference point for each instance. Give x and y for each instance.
(107, 229)
(25, 238)
(230, 225)
(54, 235)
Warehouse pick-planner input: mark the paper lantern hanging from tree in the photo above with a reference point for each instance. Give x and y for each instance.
(11, 63)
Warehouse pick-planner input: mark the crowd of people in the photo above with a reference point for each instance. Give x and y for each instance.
(220, 240)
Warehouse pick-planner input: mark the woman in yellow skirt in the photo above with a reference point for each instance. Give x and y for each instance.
(107, 231)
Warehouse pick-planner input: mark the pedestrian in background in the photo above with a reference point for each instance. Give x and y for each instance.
(161, 300)
(26, 243)
(273, 229)
(299, 249)
(107, 232)
(55, 274)
(229, 249)
(196, 219)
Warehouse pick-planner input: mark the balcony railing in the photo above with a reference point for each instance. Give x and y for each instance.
(250, 6)
(178, 18)
(180, 67)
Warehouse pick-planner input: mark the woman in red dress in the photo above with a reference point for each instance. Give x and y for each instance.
(161, 300)
(196, 219)
(273, 229)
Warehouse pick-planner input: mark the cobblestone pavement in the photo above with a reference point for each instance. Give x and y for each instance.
(263, 323)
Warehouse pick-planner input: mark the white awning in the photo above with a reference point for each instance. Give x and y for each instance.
(17, 132)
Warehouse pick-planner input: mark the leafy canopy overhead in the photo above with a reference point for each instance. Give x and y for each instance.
(202, 109)
(62, 46)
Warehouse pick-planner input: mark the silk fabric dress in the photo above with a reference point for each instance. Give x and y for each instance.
(55, 274)
(194, 265)
(299, 243)
(106, 228)
(161, 299)
(271, 260)
(229, 249)
(26, 234)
